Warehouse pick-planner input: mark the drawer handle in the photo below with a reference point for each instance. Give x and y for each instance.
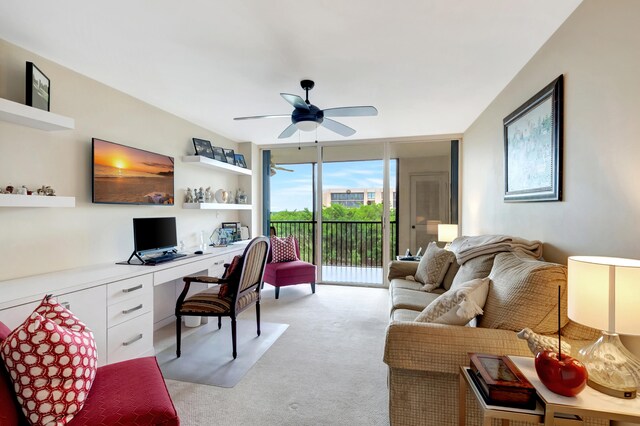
(135, 339)
(220, 262)
(129, 290)
(128, 311)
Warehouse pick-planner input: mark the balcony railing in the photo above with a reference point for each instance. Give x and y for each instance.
(344, 244)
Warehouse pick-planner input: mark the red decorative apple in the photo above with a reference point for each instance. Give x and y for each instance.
(561, 373)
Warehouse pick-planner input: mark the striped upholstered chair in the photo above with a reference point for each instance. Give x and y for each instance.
(239, 289)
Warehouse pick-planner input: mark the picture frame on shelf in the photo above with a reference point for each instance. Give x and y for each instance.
(218, 154)
(203, 147)
(533, 147)
(230, 155)
(240, 162)
(38, 88)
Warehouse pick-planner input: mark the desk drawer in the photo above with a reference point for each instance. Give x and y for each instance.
(130, 288)
(130, 308)
(130, 339)
(178, 272)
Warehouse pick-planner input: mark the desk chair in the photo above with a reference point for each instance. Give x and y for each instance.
(239, 290)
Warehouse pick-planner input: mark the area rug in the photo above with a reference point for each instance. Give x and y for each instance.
(207, 354)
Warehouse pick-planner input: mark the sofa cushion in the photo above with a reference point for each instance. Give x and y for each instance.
(524, 293)
(450, 275)
(402, 298)
(408, 284)
(458, 305)
(52, 361)
(433, 266)
(404, 315)
(131, 392)
(478, 267)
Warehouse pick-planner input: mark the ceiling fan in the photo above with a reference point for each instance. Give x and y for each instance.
(308, 117)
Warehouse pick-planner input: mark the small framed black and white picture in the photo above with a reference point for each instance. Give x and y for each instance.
(231, 156)
(38, 88)
(218, 154)
(203, 147)
(240, 161)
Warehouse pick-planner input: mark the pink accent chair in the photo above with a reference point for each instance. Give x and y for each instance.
(131, 392)
(282, 274)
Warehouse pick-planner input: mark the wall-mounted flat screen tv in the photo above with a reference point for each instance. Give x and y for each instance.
(126, 175)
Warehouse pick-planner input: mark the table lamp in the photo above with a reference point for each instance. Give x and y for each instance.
(604, 293)
(447, 233)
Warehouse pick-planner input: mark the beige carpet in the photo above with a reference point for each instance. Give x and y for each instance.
(326, 369)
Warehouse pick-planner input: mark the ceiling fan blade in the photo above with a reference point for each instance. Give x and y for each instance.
(339, 128)
(295, 100)
(288, 131)
(262, 116)
(353, 111)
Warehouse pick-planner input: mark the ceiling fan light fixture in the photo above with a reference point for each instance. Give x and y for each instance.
(307, 126)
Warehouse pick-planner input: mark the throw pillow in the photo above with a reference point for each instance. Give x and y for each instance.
(283, 249)
(478, 267)
(524, 293)
(459, 305)
(231, 277)
(433, 266)
(52, 361)
(450, 275)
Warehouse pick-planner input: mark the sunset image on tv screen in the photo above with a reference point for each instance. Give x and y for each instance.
(126, 175)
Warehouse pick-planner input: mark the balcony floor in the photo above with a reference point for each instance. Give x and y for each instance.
(352, 275)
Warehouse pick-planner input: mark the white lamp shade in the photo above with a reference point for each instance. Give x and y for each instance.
(447, 232)
(604, 293)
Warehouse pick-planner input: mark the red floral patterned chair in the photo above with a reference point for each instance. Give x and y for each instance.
(126, 393)
(282, 274)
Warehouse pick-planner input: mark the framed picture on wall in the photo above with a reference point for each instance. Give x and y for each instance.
(231, 156)
(240, 162)
(218, 154)
(203, 147)
(533, 148)
(38, 88)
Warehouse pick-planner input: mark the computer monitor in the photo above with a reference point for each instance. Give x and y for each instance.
(152, 234)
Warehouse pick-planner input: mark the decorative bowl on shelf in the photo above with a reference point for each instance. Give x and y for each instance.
(222, 196)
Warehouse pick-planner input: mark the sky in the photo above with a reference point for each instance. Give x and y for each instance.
(294, 190)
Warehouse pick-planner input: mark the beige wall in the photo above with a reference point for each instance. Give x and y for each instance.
(597, 51)
(38, 240)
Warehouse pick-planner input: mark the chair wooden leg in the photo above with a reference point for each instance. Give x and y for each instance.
(313, 287)
(277, 292)
(178, 335)
(258, 316)
(219, 323)
(233, 336)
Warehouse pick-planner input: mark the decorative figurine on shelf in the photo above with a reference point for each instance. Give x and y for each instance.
(200, 195)
(241, 197)
(222, 196)
(188, 196)
(22, 190)
(46, 190)
(208, 195)
(9, 189)
(230, 198)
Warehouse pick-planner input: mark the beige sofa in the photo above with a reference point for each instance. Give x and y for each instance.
(424, 358)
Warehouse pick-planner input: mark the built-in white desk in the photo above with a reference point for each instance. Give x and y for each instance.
(122, 304)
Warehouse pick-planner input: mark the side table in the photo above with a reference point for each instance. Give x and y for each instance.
(588, 403)
(490, 412)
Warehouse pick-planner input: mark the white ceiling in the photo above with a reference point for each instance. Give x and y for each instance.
(429, 66)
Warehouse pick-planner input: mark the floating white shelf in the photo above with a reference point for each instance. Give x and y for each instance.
(216, 206)
(215, 164)
(14, 200)
(24, 115)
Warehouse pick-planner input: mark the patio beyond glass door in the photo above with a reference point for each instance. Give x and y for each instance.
(352, 221)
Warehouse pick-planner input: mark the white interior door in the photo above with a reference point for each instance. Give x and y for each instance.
(429, 207)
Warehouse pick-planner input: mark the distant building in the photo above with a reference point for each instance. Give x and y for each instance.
(355, 197)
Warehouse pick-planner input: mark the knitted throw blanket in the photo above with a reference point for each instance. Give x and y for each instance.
(466, 248)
